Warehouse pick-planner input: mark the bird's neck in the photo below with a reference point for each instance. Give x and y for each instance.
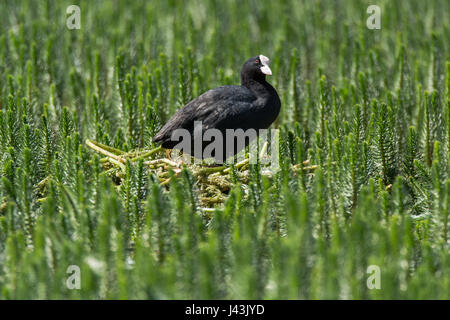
(258, 86)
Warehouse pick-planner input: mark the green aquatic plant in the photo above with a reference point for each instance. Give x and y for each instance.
(364, 149)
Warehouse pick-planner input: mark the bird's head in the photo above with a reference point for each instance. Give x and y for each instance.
(256, 68)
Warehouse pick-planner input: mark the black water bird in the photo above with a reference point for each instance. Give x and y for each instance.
(252, 105)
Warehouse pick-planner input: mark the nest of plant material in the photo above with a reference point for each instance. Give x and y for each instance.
(213, 182)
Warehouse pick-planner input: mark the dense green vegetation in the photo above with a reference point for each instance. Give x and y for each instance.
(369, 109)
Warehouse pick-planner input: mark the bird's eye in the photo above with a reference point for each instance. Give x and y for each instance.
(256, 61)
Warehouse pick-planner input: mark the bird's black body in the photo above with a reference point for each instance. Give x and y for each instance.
(252, 105)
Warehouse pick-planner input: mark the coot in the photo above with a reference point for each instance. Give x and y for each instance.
(252, 105)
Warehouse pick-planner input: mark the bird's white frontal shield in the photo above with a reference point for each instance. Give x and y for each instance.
(265, 62)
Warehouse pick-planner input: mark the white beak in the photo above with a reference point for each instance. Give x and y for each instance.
(266, 70)
(265, 62)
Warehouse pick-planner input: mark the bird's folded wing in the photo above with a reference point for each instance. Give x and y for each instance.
(229, 115)
(221, 108)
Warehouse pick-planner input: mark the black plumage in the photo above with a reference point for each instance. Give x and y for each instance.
(252, 105)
